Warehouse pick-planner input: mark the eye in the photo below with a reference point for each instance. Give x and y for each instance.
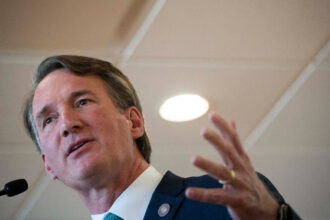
(48, 121)
(82, 102)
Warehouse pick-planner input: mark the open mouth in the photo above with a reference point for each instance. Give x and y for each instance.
(76, 147)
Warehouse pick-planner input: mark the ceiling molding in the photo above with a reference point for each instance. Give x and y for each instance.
(215, 63)
(37, 58)
(287, 96)
(8, 58)
(138, 36)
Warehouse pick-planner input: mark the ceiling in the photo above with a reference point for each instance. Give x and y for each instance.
(265, 64)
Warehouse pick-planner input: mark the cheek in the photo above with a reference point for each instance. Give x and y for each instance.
(98, 115)
(50, 136)
(109, 127)
(49, 145)
(103, 120)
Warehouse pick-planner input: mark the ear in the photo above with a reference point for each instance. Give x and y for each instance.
(48, 169)
(135, 121)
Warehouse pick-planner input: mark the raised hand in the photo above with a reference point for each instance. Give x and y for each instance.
(243, 193)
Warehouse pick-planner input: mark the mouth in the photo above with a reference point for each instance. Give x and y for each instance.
(75, 146)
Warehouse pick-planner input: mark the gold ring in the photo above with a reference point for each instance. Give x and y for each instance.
(230, 178)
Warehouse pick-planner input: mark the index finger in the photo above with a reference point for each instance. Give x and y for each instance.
(213, 195)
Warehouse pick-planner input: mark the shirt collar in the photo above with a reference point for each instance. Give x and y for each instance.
(133, 202)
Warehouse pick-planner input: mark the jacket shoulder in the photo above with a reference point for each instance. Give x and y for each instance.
(171, 191)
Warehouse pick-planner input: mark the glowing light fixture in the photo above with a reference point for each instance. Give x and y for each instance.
(183, 108)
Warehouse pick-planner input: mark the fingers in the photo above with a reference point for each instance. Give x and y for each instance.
(215, 170)
(228, 130)
(233, 124)
(224, 147)
(215, 196)
(243, 193)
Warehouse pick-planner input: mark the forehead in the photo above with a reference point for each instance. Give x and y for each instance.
(59, 84)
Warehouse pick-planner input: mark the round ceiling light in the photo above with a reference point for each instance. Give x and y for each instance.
(183, 108)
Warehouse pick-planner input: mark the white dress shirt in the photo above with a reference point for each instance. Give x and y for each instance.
(133, 202)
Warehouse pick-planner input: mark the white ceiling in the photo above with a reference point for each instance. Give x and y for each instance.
(265, 64)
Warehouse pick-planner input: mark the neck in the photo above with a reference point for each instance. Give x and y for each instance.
(100, 199)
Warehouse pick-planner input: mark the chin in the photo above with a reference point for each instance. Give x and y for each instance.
(90, 170)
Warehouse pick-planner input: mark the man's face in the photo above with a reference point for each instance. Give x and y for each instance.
(82, 134)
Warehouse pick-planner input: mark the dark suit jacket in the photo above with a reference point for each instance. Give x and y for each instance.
(171, 191)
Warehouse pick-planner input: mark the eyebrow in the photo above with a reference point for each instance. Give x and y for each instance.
(43, 111)
(73, 95)
(76, 94)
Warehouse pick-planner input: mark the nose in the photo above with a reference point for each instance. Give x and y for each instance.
(70, 122)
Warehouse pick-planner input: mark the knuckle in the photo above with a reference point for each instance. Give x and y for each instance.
(234, 135)
(244, 185)
(215, 198)
(238, 202)
(227, 149)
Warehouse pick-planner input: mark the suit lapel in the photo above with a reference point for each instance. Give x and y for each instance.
(167, 198)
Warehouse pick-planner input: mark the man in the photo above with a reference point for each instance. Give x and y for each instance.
(86, 120)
